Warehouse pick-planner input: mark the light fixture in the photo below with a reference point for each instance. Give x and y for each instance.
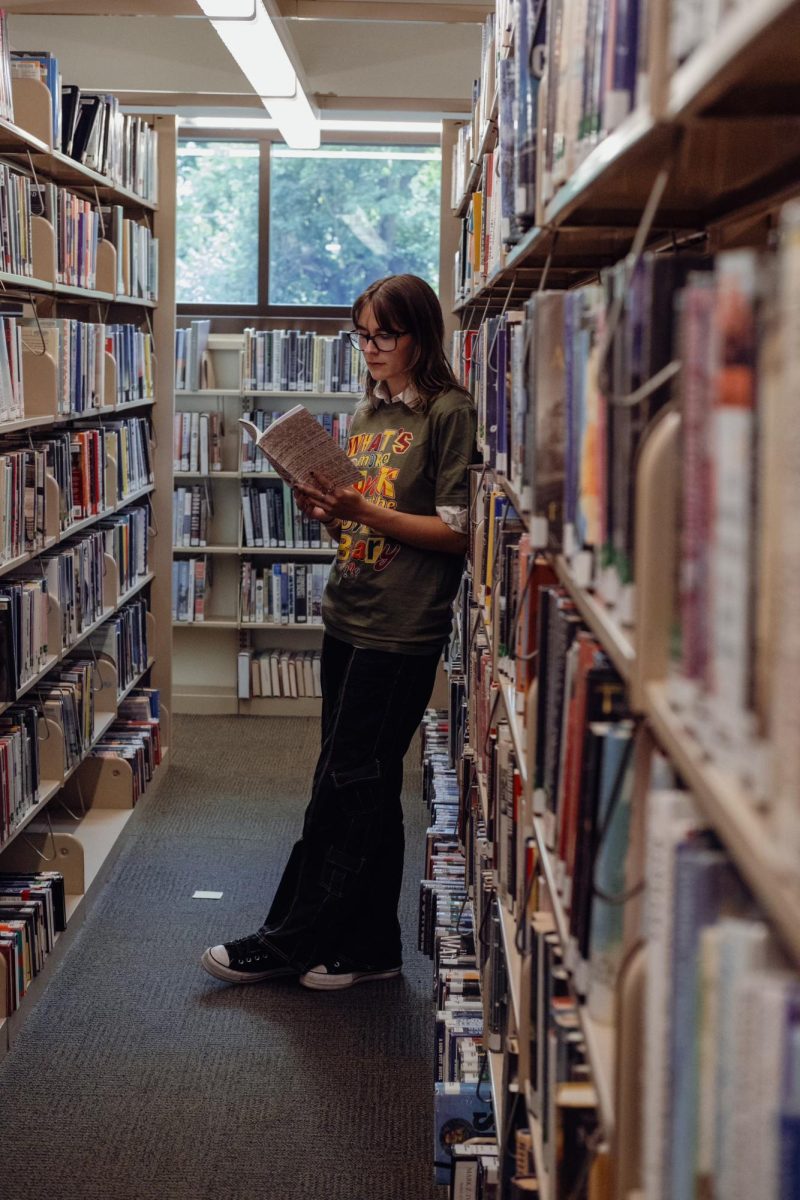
(252, 40)
(326, 124)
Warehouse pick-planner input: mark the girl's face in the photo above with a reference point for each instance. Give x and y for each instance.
(390, 366)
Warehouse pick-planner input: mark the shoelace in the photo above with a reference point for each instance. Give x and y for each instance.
(240, 947)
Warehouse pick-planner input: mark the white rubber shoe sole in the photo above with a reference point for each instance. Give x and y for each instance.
(319, 980)
(227, 974)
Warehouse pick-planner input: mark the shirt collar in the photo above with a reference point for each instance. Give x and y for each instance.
(408, 396)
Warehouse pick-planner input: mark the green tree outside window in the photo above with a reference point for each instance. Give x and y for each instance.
(343, 216)
(217, 223)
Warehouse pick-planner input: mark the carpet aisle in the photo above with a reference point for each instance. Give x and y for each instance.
(138, 1077)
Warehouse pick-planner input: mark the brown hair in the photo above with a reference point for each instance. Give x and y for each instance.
(407, 304)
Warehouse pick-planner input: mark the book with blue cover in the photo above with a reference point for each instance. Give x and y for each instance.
(459, 1113)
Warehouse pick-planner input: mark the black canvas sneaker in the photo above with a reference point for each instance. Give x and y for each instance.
(246, 960)
(339, 973)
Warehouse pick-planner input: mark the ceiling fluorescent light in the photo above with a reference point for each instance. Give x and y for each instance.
(262, 59)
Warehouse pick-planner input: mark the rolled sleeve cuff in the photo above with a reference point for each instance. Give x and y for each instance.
(453, 517)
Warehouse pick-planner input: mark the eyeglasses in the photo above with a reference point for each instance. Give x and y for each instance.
(382, 340)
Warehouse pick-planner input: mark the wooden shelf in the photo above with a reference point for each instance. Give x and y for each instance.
(600, 618)
(294, 626)
(487, 143)
(495, 1063)
(136, 301)
(538, 1157)
(281, 706)
(293, 552)
(513, 961)
(734, 815)
(49, 788)
(208, 623)
(29, 283)
(80, 293)
(207, 392)
(290, 551)
(505, 484)
(125, 405)
(17, 143)
(515, 727)
(756, 38)
(207, 475)
(137, 679)
(599, 1038)
(98, 832)
(7, 427)
(483, 792)
(326, 396)
(202, 699)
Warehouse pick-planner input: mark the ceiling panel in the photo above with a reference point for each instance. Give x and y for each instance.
(345, 63)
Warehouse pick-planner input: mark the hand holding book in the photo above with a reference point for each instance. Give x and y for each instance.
(341, 504)
(302, 452)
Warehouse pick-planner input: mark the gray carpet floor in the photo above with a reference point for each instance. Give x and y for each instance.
(139, 1077)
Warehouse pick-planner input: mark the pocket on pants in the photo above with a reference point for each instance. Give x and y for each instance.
(356, 788)
(338, 870)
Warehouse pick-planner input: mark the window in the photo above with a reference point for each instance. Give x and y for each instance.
(217, 228)
(342, 216)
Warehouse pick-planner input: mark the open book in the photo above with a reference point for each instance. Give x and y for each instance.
(302, 452)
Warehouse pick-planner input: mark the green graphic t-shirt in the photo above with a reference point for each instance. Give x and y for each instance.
(383, 594)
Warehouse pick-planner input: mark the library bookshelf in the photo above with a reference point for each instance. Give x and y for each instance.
(207, 650)
(83, 803)
(635, 196)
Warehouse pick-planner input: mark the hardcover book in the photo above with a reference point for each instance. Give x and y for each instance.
(302, 452)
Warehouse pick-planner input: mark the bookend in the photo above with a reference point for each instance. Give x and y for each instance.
(655, 550)
(40, 384)
(33, 108)
(45, 259)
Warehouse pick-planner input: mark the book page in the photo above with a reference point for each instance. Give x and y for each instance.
(304, 454)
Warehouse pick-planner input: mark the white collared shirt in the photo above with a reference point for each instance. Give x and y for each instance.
(453, 517)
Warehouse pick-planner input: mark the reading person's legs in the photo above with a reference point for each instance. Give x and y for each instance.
(336, 905)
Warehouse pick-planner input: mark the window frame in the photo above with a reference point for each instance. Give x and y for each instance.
(262, 309)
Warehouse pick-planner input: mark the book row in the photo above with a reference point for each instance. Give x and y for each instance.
(6, 90)
(252, 460)
(66, 587)
(271, 518)
(713, 337)
(191, 582)
(463, 1110)
(67, 703)
(121, 642)
(88, 127)
(77, 226)
(78, 349)
(282, 593)
(96, 467)
(191, 508)
(294, 674)
(557, 79)
(586, 888)
(732, 651)
(33, 912)
(194, 366)
(79, 464)
(18, 202)
(135, 736)
(12, 388)
(280, 360)
(571, 385)
(197, 441)
(722, 1021)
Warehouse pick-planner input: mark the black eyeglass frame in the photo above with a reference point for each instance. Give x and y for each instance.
(357, 337)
